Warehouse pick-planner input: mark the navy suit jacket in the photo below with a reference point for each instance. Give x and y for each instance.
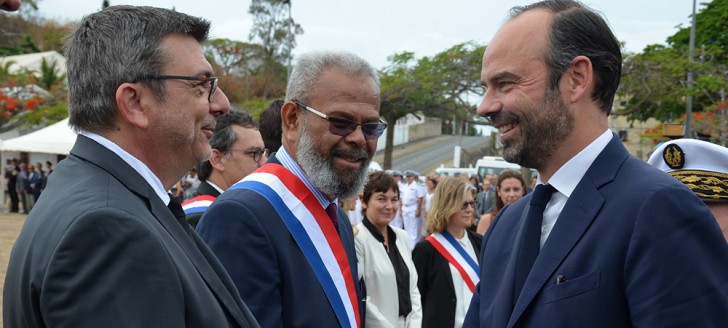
(634, 246)
(271, 272)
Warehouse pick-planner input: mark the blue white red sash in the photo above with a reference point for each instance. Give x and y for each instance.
(314, 233)
(450, 249)
(197, 204)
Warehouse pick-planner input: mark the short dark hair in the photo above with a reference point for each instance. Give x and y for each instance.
(116, 45)
(378, 182)
(578, 30)
(224, 137)
(271, 127)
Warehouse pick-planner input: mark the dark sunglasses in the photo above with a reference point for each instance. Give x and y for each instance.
(343, 127)
(466, 204)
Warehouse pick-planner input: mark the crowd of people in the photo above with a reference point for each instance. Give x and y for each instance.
(23, 184)
(598, 239)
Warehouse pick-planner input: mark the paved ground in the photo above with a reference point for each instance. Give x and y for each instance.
(10, 225)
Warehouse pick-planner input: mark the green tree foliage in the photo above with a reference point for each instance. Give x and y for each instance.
(49, 75)
(275, 31)
(711, 24)
(235, 63)
(432, 86)
(654, 82)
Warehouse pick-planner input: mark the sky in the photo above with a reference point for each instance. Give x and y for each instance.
(376, 29)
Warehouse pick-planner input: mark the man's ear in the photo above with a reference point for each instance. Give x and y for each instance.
(579, 79)
(216, 160)
(291, 118)
(132, 100)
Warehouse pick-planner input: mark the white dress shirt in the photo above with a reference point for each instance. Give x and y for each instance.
(566, 179)
(135, 164)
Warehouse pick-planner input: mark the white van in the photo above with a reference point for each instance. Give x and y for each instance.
(493, 165)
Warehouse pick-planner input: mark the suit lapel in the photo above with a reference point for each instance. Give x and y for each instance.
(207, 189)
(112, 163)
(577, 215)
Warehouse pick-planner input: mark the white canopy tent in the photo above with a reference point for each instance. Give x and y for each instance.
(57, 138)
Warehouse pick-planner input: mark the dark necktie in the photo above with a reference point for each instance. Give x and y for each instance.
(531, 237)
(331, 211)
(176, 208)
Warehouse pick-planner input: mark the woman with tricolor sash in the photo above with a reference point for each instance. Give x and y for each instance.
(385, 262)
(447, 260)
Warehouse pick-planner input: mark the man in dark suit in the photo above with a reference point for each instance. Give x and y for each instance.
(237, 150)
(11, 174)
(619, 244)
(102, 248)
(278, 232)
(485, 200)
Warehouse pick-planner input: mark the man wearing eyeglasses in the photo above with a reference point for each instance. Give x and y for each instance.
(237, 150)
(278, 232)
(105, 246)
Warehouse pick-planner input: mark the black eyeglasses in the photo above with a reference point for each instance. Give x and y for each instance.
(256, 154)
(201, 79)
(466, 204)
(343, 127)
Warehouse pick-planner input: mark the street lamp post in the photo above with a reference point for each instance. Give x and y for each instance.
(290, 49)
(689, 106)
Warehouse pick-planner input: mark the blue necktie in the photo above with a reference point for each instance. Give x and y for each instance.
(531, 237)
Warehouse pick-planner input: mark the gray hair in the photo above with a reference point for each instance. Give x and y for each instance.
(116, 45)
(311, 65)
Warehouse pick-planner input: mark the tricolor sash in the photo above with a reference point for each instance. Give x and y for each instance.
(450, 249)
(314, 233)
(197, 204)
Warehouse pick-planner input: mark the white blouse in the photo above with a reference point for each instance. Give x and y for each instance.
(462, 292)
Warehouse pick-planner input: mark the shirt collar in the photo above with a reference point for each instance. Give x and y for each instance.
(378, 235)
(569, 174)
(214, 186)
(135, 164)
(287, 161)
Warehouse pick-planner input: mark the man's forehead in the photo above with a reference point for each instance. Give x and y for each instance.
(523, 37)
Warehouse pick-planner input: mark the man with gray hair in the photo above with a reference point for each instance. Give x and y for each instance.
(278, 232)
(105, 246)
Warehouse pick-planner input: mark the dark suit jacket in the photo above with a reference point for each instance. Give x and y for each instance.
(634, 246)
(102, 250)
(485, 202)
(435, 283)
(271, 272)
(203, 189)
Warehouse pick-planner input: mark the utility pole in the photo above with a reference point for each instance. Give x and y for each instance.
(290, 49)
(689, 107)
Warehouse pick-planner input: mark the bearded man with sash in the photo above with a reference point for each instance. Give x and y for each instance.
(279, 232)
